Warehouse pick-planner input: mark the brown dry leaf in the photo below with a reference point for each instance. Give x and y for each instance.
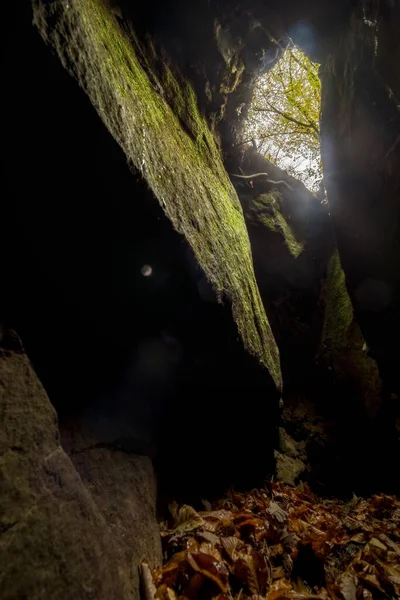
(185, 519)
(392, 573)
(207, 548)
(300, 586)
(231, 545)
(358, 538)
(194, 585)
(169, 573)
(166, 593)
(278, 572)
(301, 596)
(248, 523)
(297, 526)
(371, 580)
(392, 545)
(186, 513)
(377, 546)
(279, 589)
(217, 515)
(220, 527)
(253, 570)
(192, 545)
(210, 568)
(276, 550)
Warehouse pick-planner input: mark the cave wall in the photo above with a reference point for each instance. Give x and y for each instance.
(150, 366)
(361, 153)
(120, 355)
(333, 390)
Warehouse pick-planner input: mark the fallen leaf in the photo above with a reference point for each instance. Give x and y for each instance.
(217, 515)
(252, 539)
(371, 580)
(166, 593)
(279, 589)
(194, 585)
(169, 573)
(192, 545)
(210, 568)
(207, 548)
(231, 545)
(252, 569)
(183, 514)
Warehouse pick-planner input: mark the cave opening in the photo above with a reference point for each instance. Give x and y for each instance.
(284, 116)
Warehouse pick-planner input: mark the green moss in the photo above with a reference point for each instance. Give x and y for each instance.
(339, 314)
(173, 148)
(343, 346)
(265, 210)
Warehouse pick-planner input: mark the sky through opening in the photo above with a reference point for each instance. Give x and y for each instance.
(284, 117)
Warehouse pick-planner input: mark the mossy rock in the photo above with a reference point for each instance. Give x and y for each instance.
(157, 123)
(343, 347)
(265, 211)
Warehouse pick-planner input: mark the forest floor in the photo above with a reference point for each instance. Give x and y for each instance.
(281, 543)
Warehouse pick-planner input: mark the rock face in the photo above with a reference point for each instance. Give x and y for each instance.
(123, 352)
(325, 361)
(123, 488)
(292, 238)
(361, 152)
(343, 348)
(59, 537)
(132, 102)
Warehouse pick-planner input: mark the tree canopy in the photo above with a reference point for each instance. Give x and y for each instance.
(284, 117)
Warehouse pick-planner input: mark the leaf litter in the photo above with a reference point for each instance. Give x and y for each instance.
(282, 543)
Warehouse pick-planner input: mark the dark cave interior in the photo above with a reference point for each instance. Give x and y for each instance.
(129, 382)
(154, 366)
(99, 333)
(80, 225)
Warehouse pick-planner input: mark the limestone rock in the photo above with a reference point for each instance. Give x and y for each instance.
(59, 539)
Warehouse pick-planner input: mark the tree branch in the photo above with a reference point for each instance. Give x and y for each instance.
(275, 110)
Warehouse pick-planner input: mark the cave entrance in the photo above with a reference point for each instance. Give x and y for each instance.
(283, 119)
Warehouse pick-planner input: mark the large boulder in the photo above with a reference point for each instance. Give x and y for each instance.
(59, 537)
